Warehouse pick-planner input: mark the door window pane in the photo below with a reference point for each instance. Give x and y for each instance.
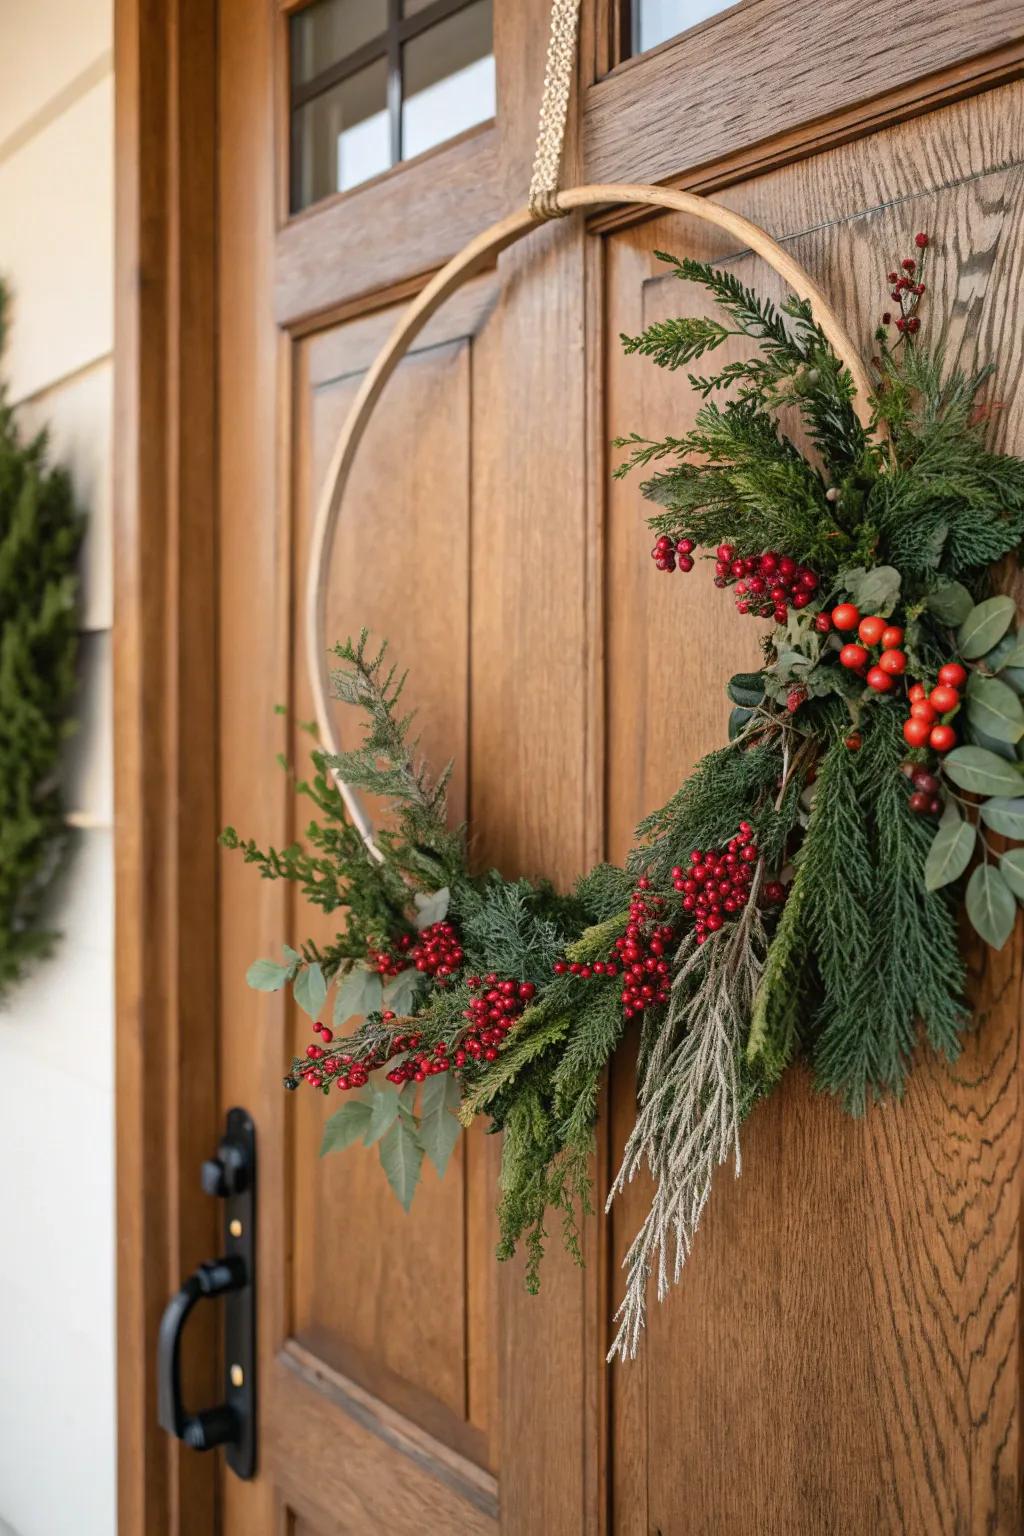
(656, 20)
(342, 136)
(448, 79)
(332, 30)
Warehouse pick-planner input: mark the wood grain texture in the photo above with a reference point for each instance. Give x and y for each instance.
(768, 67)
(407, 222)
(164, 690)
(842, 1353)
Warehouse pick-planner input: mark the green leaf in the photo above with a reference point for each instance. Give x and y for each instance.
(981, 772)
(950, 852)
(990, 905)
(1008, 653)
(1005, 817)
(360, 993)
(1015, 677)
(268, 975)
(984, 626)
(383, 1111)
(995, 709)
(431, 909)
(1011, 867)
(950, 602)
(439, 1129)
(874, 592)
(401, 1157)
(347, 1126)
(746, 689)
(310, 989)
(1002, 749)
(401, 991)
(738, 719)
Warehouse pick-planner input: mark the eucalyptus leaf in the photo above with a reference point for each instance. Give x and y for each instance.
(401, 1157)
(981, 772)
(439, 1129)
(431, 909)
(1001, 655)
(310, 989)
(346, 1127)
(1004, 749)
(1015, 677)
(268, 975)
(950, 602)
(738, 720)
(360, 993)
(1014, 657)
(400, 992)
(990, 905)
(746, 689)
(876, 591)
(985, 626)
(995, 709)
(1011, 867)
(1005, 817)
(951, 850)
(383, 1112)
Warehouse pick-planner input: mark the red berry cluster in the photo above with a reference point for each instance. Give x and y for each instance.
(437, 952)
(767, 585)
(872, 632)
(925, 799)
(717, 883)
(389, 962)
(924, 728)
(639, 954)
(906, 290)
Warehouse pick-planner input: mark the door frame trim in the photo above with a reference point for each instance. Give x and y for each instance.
(165, 741)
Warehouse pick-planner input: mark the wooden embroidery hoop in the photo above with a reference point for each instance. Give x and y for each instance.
(480, 253)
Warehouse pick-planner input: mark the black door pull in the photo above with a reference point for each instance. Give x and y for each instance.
(230, 1176)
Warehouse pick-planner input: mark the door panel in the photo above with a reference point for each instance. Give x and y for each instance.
(843, 1340)
(841, 1355)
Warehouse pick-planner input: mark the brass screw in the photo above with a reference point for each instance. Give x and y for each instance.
(237, 1376)
(235, 1228)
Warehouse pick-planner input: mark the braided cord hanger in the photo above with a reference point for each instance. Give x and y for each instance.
(554, 109)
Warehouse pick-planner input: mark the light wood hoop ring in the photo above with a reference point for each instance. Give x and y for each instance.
(479, 253)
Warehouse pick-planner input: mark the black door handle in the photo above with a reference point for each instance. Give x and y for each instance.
(230, 1175)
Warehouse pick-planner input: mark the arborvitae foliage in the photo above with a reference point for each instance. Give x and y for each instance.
(40, 535)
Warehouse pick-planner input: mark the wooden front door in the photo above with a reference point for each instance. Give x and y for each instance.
(842, 1355)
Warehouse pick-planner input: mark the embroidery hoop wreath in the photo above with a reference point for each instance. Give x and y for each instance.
(470, 260)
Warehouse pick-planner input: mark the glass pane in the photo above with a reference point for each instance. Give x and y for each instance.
(448, 79)
(330, 30)
(658, 19)
(341, 137)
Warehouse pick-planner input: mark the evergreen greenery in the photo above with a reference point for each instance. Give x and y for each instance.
(40, 535)
(844, 947)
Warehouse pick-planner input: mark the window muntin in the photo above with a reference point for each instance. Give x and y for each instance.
(374, 82)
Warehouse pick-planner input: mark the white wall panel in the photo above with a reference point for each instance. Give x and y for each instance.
(47, 45)
(56, 245)
(78, 415)
(88, 756)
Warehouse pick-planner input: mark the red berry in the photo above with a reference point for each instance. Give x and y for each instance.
(853, 656)
(953, 674)
(922, 710)
(920, 804)
(893, 662)
(892, 637)
(942, 737)
(880, 681)
(846, 616)
(917, 732)
(822, 623)
(908, 264)
(918, 691)
(871, 630)
(854, 741)
(921, 241)
(725, 551)
(944, 698)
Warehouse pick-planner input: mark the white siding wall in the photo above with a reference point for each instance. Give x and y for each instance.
(57, 1380)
